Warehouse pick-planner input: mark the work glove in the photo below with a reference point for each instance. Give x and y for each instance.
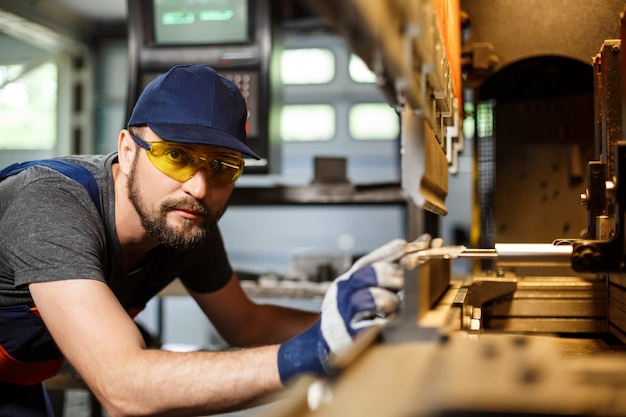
(362, 297)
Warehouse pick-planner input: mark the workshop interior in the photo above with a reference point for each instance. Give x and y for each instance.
(494, 127)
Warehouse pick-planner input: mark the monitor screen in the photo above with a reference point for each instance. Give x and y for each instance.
(201, 22)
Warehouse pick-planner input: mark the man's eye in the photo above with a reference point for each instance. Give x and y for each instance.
(220, 165)
(217, 165)
(177, 155)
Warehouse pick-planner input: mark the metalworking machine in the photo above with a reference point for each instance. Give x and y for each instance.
(542, 330)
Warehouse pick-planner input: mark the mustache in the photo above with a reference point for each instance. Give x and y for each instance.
(188, 204)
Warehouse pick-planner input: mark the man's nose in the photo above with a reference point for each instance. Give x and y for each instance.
(198, 185)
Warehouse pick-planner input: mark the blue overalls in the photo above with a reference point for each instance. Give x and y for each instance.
(28, 354)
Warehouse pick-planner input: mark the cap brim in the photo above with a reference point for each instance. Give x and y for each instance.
(201, 135)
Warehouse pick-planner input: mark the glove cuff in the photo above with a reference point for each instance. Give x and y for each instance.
(305, 353)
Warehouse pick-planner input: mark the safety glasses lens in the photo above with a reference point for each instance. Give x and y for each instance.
(182, 162)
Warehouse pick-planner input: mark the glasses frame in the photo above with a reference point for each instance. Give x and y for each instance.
(201, 156)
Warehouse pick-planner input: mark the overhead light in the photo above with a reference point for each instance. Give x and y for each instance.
(38, 35)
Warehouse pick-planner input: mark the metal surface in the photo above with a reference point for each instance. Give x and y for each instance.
(424, 165)
(535, 254)
(539, 54)
(518, 30)
(490, 375)
(504, 254)
(550, 305)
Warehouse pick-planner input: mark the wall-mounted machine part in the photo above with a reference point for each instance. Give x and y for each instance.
(602, 249)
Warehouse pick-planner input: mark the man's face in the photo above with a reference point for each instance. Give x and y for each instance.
(174, 213)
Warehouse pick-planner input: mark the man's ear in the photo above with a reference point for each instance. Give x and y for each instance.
(126, 149)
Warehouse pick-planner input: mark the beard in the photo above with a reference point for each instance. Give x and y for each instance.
(154, 221)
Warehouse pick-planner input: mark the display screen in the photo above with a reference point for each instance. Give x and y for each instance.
(200, 22)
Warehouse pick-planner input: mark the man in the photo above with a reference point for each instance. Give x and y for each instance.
(75, 268)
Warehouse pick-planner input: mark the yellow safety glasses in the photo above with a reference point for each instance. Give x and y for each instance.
(181, 162)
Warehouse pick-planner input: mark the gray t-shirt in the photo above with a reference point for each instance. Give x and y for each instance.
(50, 229)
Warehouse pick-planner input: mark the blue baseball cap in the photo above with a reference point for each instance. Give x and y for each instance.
(194, 104)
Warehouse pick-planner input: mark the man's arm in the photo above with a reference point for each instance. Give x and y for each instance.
(242, 322)
(101, 341)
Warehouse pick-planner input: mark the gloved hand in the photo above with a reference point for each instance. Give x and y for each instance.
(362, 297)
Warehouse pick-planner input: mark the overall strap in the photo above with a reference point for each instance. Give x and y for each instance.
(27, 353)
(71, 170)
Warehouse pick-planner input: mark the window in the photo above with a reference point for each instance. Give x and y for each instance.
(307, 66)
(374, 121)
(28, 106)
(469, 121)
(307, 122)
(485, 120)
(359, 71)
(331, 105)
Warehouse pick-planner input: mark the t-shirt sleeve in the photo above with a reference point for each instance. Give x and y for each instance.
(52, 231)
